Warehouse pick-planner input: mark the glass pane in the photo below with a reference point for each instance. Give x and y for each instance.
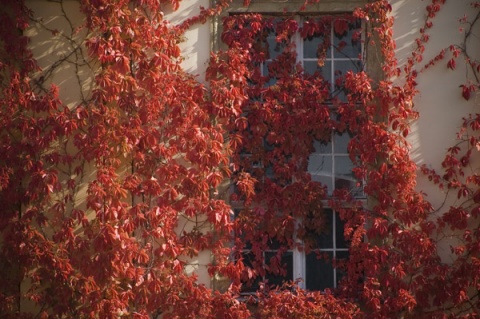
(341, 141)
(343, 254)
(269, 173)
(310, 47)
(319, 272)
(340, 273)
(286, 264)
(344, 177)
(339, 230)
(265, 72)
(274, 48)
(320, 168)
(323, 238)
(322, 147)
(325, 71)
(345, 46)
(240, 215)
(250, 279)
(342, 67)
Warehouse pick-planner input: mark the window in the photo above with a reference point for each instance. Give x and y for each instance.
(314, 265)
(322, 56)
(293, 136)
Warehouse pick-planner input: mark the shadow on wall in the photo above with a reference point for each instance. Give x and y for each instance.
(196, 46)
(55, 44)
(439, 100)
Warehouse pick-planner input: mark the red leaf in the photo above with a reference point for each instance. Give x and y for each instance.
(340, 27)
(467, 91)
(451, 64)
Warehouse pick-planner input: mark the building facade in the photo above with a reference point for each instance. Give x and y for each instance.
(303, 162)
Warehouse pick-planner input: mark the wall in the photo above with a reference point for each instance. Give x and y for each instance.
(439, 102)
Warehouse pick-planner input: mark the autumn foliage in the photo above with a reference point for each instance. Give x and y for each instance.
(106, 203)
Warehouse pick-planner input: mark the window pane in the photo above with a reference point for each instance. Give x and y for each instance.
(340, 241)
(340, 273)
(274, 48)
(341, 141)
(250, 279)
(344, 177)
(322, 147)
(340, 70)
(265, 72)
(320, 168)
(286, 264)
(325, 71)
(323, 238)
(310, 47)
(346, 46)
(319, 272)
(342, 67)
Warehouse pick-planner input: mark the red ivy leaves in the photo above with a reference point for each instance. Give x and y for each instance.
(124, 254)
(467, 90)
(340, 27)
(451, 64)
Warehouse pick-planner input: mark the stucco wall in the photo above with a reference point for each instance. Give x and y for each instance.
(196, 45)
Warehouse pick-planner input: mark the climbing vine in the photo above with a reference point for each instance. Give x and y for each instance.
(108, 200)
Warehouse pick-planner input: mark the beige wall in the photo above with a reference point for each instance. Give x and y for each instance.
(439, 102)
(64, 62)
(196, 45)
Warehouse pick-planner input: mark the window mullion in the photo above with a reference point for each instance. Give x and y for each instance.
(332, 61)
(334, 241)
(299, 42)
(299, 270)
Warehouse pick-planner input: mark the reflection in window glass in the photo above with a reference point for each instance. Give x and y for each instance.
(331, 166)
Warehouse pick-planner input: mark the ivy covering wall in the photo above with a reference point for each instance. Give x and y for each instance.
(107, 198)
